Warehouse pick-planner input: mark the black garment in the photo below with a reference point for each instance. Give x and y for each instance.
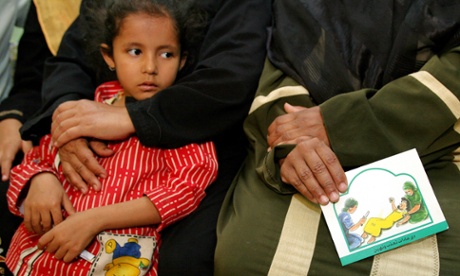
(22, 102)
(349, 45)
(9, 223)
(24, 98)
(209, 103)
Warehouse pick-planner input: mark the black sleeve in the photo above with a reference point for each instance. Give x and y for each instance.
(216, 96)
(24, 97)
(67, 76)
(210, 101)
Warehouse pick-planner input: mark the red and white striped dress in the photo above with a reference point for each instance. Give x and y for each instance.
(173, 179)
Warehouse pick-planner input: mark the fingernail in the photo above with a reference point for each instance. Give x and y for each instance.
(323, 200)
(334, 197)
(343, 187)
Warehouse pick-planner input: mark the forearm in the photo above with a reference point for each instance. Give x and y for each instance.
(191, 169)
(216, 96)
(133, 213)
(414, 209)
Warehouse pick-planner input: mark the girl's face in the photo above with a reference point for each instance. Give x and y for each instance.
(146, 55)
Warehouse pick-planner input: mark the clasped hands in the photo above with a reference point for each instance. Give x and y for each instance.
(311, 167)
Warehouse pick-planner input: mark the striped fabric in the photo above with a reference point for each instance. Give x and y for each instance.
(174, 180)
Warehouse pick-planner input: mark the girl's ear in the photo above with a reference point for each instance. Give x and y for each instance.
(183, 59)
(106, 52)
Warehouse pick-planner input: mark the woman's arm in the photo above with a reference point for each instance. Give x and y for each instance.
(213, 98)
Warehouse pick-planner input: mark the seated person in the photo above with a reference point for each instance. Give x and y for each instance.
(346, 222)
(344, 84)
(146, 189)
(24, 100)
(208, 102)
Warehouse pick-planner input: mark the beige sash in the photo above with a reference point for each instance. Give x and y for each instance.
(298, 237)
(55, 16)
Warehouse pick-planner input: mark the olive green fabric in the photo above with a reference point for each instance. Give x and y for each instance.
(419, 111)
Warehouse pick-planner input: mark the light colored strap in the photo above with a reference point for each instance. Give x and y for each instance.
(419, 258)
(299, 232)
(282, 92)
(55, 16)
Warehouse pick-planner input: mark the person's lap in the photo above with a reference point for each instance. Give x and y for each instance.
(256, 229)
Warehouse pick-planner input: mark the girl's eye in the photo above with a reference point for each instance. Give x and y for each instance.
(166, 55)
(134, 52)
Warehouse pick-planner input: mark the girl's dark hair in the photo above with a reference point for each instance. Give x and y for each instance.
(103, 19)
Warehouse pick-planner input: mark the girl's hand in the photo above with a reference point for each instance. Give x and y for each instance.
(69, 238)
(44, 202)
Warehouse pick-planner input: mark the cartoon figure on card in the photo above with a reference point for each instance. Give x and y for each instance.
(374, 226)
(418, 211)
(126, 260)
(346, 221)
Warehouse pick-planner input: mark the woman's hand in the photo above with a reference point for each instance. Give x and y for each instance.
(298, 122)
(44, 202)
(312, 167)
(10, 144)
(79, 164)
(84, 118)
(314, 170)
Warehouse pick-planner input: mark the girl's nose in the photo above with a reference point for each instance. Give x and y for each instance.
(150, 67)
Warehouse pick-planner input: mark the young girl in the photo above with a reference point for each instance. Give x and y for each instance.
(118, 228)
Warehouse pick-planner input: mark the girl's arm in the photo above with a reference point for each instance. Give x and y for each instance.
(35, 190)
(68, 239)
(191, 169)
(38, 160)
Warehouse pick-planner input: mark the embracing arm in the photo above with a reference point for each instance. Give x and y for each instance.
(211, 101)
(215, 97)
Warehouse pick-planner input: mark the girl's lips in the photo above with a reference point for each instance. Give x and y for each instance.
(148, 87)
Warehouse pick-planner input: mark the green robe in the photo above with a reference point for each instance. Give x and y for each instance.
(422, 213)
(260, 230)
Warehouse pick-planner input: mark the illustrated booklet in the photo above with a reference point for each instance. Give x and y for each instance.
(389, 203)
